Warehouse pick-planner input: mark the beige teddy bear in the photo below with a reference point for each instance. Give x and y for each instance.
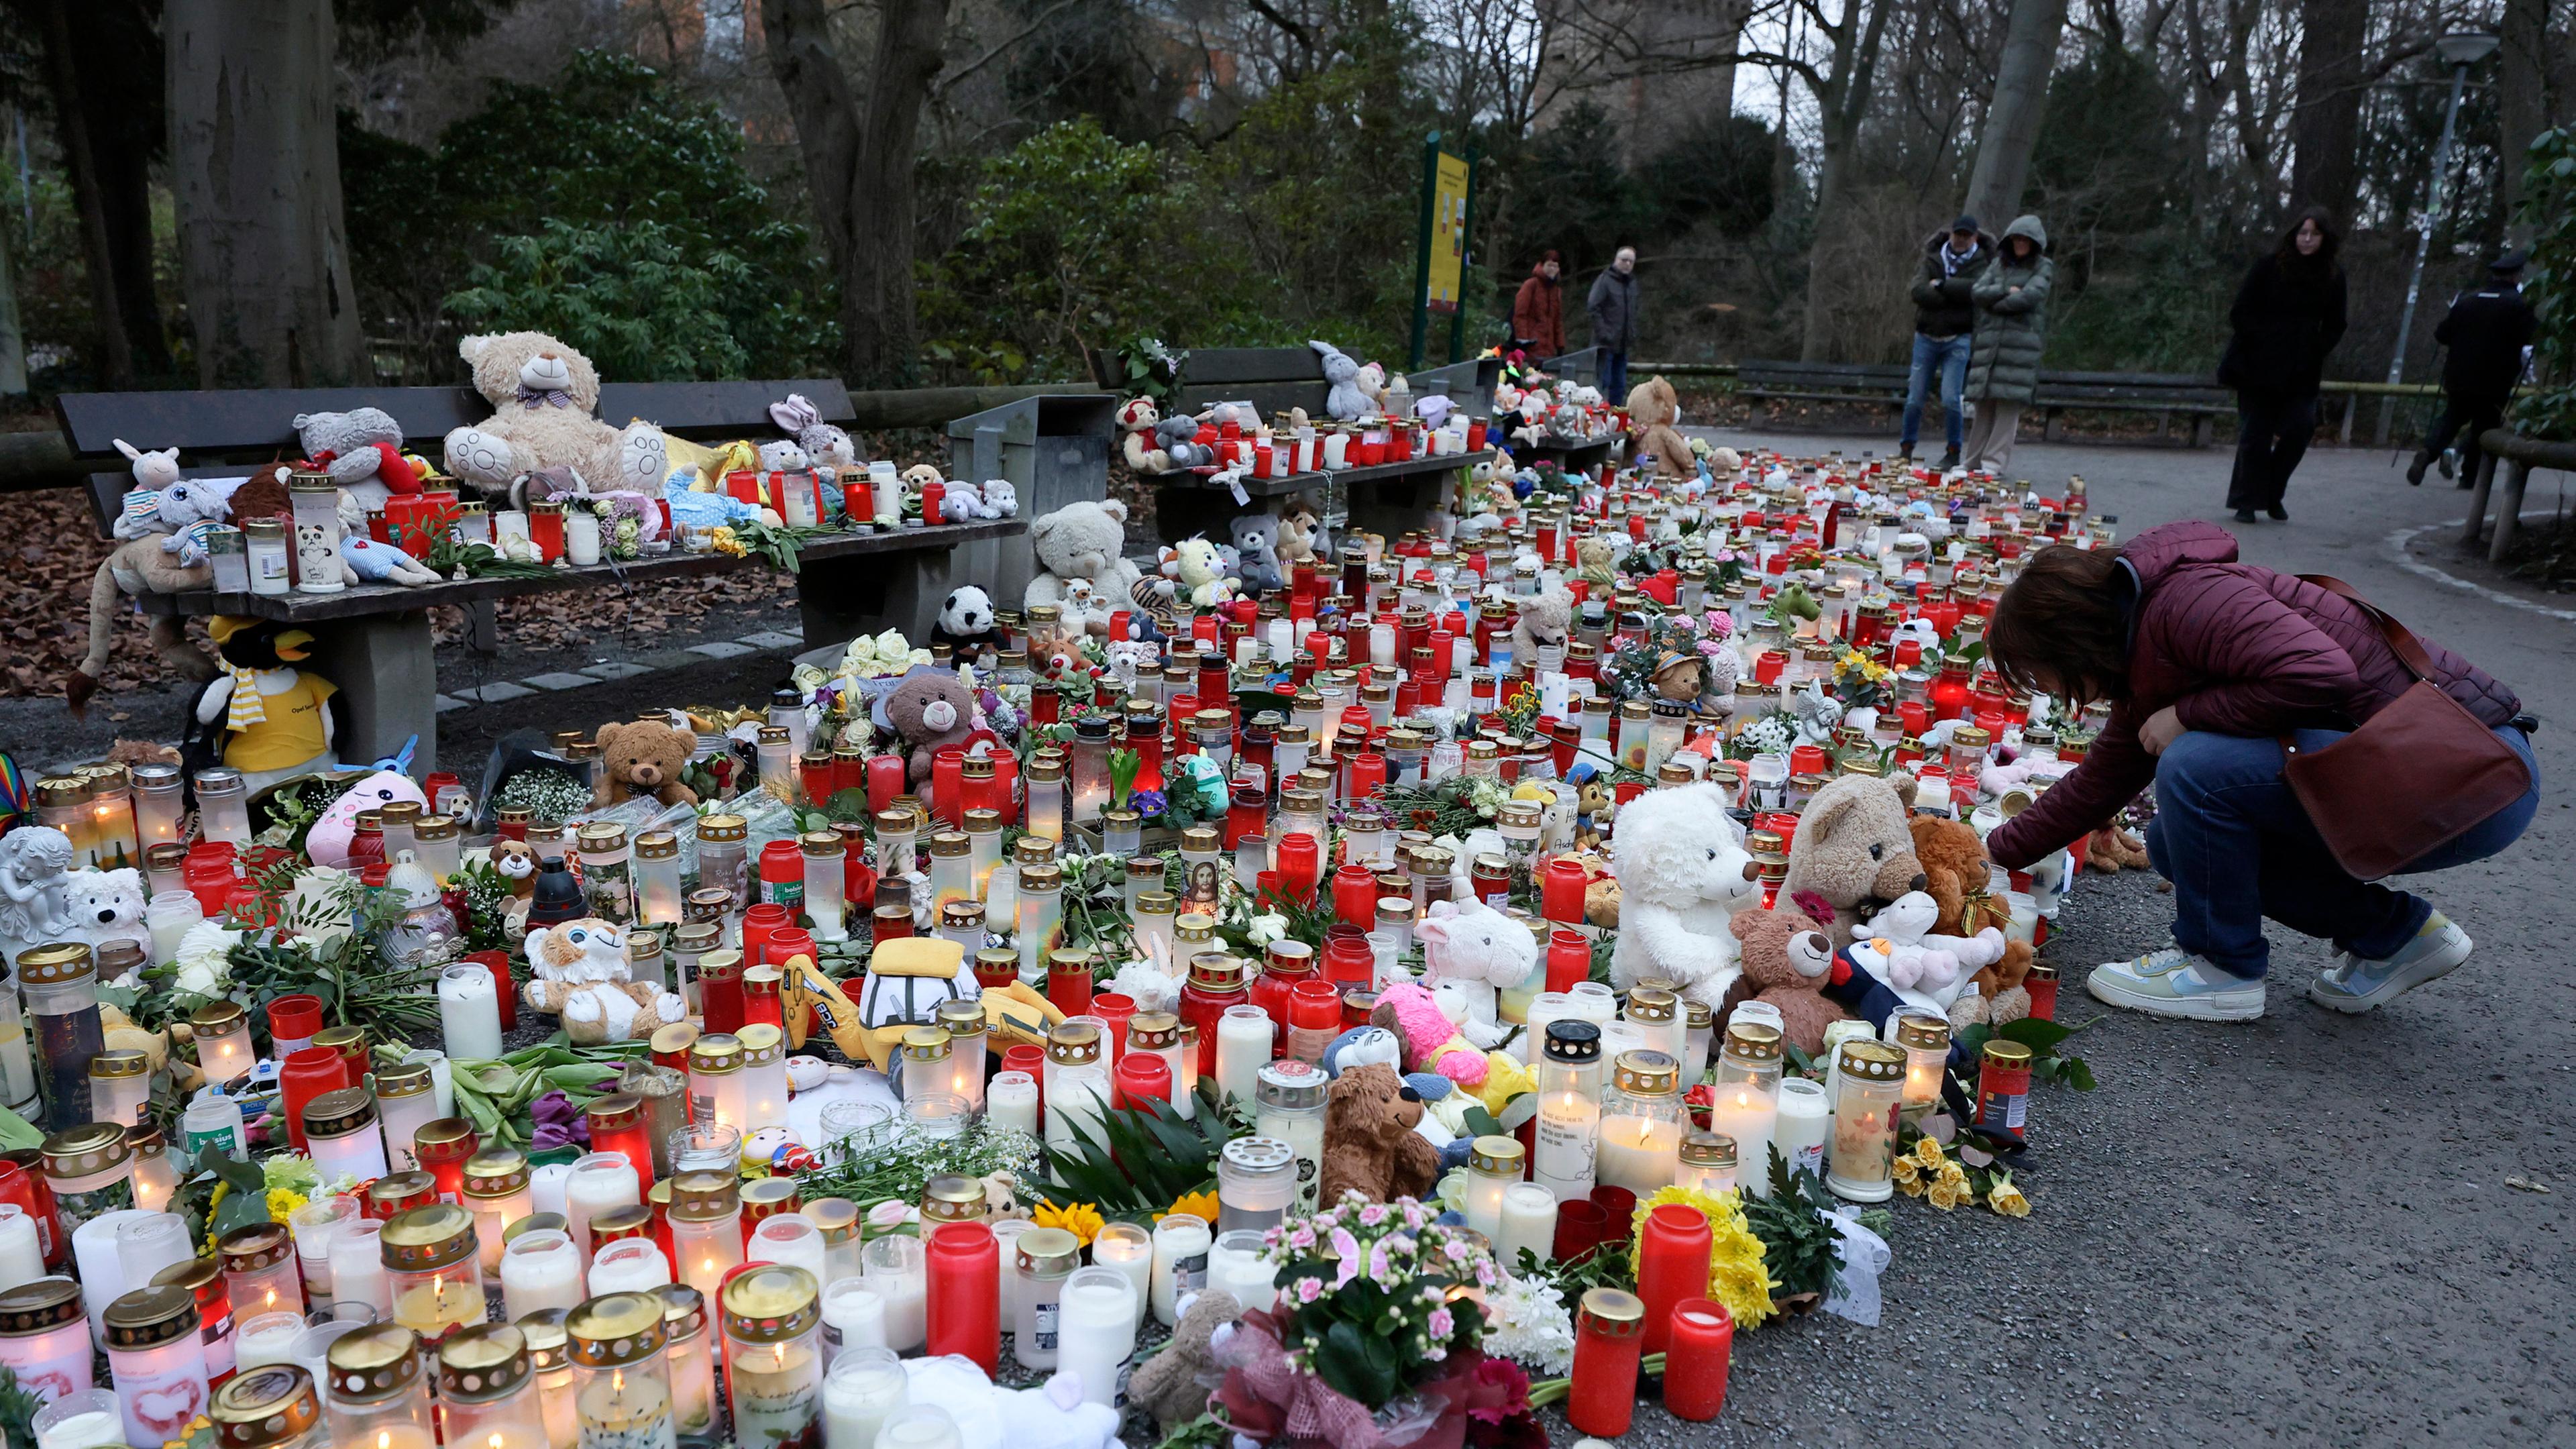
(582, 975)
(544, 395)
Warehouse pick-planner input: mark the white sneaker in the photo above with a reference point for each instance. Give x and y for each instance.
(2173, 982)
(2358, 984)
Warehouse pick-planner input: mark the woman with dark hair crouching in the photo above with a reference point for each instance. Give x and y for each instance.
(2206, 663)
(2288, 315)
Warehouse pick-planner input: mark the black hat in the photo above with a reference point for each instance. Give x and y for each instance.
(1965, 223)
(2512, 261)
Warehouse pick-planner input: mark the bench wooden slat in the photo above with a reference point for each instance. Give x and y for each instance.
(1303, 482)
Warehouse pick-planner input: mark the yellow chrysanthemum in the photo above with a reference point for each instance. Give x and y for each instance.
(2005, 1197)
(1200, 1205)
(1080, 1219)
(1927, 1151)
(1737, 1276)
(1905, 1169)
(283, 1201)
(1946, 1197)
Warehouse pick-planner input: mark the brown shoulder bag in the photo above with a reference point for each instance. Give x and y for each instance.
(2414, 776)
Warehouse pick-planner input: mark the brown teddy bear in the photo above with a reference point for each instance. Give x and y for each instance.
(1955, 874)
(1173, 1385)
(644, 758)
(1786, 962)
(2111, 850)
(1369, 1142)
(1853, 850)
(933, 710)
(1653, 412)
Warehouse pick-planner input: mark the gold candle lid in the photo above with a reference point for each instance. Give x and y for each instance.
(762, 1044)
(1651, 1003)
(1708, 1149)
(925, 1044)
(1151, 1030)
(54, 963)
(257, 1407)
(547, 1341)
(217, 1017)
(772, 1303)
(343, 1113)
(1074, 1043)
(615, 1330)
(952, 1198)
(1047, 1252)
(373, 1363)
(90, 1147)
(767, 1197)
(960, 1018)
(1921, 1032)
(1496, 1157)
(482, 1363)
(496, 1172)
(120, 1063)
(536, 1223)
(38, 1306)
(150, 1317)
(634, 1220)
(674, 1040)
(424, 1239)
(404, 1079)
(1871, 1060)
(837, 1218)
(703, 1197)
(401, 1187)
(684, 1311)
(1646, 1073)
(1756, 1041)
(1619, 1313)
(716, 1055)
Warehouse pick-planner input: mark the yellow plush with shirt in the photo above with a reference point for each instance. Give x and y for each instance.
(906, 981)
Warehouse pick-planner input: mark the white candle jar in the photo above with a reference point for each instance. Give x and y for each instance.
(763, 1076)
(45, 1337)
(406, 1102)
(1748, 1094)
(1042, 1259)
(1291, 1108)
(222, 1030)
(1129, 1248)
(341, 1135)
(864, 1386)
(375, 1394)
(266, 1338)
(434, 1270)
(898, 1269)
(1243, 1037)
(90, 1419)
(469, 1011)
(1256, 1183)
(157, 1362)
(705, 1217)
(1097, 1316)
(1802, 1116)
(1642, 1121)
(789, 1239)
(487, 1391)
(1528, 1224)
(621, 1389)
(1864, 1121)
(1707, 1163)
(358, 1266)
(688, 1357)
(1493, 1165)
(773, 1322)
(854, 1317)
(1569, 1108)
(1239, 1263)
(629, 1265)
(1181, 1243)
(496, 1192)
(600, 1181)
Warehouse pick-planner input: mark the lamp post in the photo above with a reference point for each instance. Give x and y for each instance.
(2460, 50)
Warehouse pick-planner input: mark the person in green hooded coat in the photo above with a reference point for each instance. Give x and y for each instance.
(2011, 296)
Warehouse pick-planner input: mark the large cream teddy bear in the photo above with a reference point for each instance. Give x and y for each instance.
(1083, 542)
(1682, 871)
(582, 975)
(1653, 413)
(543, 395)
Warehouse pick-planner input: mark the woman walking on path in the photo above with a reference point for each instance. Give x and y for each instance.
(2011, 296)
(2206, 664)
(2288, 315)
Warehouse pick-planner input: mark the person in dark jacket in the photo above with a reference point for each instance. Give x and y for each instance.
(1538, 313)
(2288, 315)
(2012, 331)
(1945, 318)
(2487, 331)
(1613, 305)
(2206, 663)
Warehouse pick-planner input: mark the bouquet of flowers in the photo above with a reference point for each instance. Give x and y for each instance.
(1376, 1337)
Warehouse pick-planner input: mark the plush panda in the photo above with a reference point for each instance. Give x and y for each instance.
(966, 626)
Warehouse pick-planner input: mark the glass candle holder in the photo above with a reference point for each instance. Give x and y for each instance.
(688, 1357)
(434, 1271)
(706, 1147)
(1608, 1342)
(715, 1079)
(496, 1192)
(1129, 1248)
(313, 1226)
(865, 1386)
(487, 1390)
(1748, 1097)
(59, 984)
(358, 1266)
(222, 1030)
(90, 1419)
(1925, 1040)
(1708, 1163)
(45, 1337)
(1256, 1183)
(1866, 1106)
(157, 1362)
(1239, 1264)
(1097, 1316)
(1642, 1121)
(550, 1360)
(706, 1234)
(621, 1391)
(375, 1395)
(772, 1320)
(896, 1268)
(1289, 1108)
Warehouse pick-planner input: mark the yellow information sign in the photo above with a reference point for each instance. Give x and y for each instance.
(1448, 234)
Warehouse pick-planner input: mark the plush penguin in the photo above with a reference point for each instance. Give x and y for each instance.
(264, 716)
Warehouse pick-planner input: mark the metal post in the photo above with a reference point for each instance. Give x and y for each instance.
(2423, 247)
(1422, 255)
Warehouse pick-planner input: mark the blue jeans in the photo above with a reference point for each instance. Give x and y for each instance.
(1614, 378)
(2238, 847)
(1950, 355)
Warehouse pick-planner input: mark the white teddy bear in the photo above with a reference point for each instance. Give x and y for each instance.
(106, 905)
(1682, 871)
(1932, 973)
(1472, 953)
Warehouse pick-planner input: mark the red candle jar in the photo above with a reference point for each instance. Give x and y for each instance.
(814, 770)
(1314, 1018)
(934, 496)
(1561, 888)
(1301, 864)
(743, 486)
(1244, 810)
(307, 1073)
(1672, 1266)
(758, 924)
(2041, 983)
(948, 787)
(885, 781)
(1068, 983)
(720, 990)
(1364, 776)
(2003, 1088)
(1580, 1224)
(32, 1195)
(1621, 1206)
(442, 1147)
(785, 944)
(761, 994)
(1215, 983)
(546, 530)
(857, 499)
(1608, 1340)
(1116, 1010)
(1950, 691)
(1355, 895)
(1701, 1346)
(965, 1294)
(1140, 1076)
(617, 1124)
(292, 1023)
(782, 877)
(1569, 959)
(1289, 963)
(498, 963)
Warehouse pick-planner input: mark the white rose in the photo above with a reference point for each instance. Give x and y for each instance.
(1266, 929)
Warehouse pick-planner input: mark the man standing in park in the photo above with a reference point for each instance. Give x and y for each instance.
(2487, 331)
(1538, 313)
(1945, 321)
(1613, 305)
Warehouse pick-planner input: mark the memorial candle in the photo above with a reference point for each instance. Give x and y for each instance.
(772, 1327)
(1609, 1330)
(540, 1270)
(620, 1395)
(1672, 1265)
(1695, 1364)
(863, 1388)
(895, 1268)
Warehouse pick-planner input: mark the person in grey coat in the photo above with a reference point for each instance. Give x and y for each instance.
(2011, 295)
(1613, 305)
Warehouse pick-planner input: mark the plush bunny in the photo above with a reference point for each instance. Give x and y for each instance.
(156, 469)
(825, 445)
(1481, 950)
(1001, 500)
(1342, 396)
(958, 503)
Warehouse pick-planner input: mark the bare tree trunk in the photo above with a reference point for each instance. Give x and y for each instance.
(858, 154)
(2522, 96)
(71, 123)
(2326, 134)
(255, 168)
(1842, 102)
(2011, 126)
(13, 339)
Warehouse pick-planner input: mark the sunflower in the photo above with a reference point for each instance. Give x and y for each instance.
(2005, 1197)
(1080, 1219)
(1927, 1151)
(1737, 1276)
(1200, 1205)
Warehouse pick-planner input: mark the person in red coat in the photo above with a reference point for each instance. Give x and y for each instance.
(2206, 662)
(1538, 313)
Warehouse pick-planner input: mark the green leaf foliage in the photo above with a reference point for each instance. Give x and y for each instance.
(1141, 1159)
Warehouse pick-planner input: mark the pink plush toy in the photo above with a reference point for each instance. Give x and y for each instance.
(1432, 1042)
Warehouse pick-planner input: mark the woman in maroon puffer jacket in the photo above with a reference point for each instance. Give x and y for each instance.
(2206, 662)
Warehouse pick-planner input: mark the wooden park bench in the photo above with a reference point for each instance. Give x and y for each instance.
(1868, 384)
(374, 641)
(1388, 497)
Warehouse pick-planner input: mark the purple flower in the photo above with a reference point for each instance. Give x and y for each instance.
(1458, 1252)
(1442, 1324)
(558, 1123)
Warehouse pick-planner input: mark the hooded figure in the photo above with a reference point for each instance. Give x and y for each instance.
(2011, 295)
